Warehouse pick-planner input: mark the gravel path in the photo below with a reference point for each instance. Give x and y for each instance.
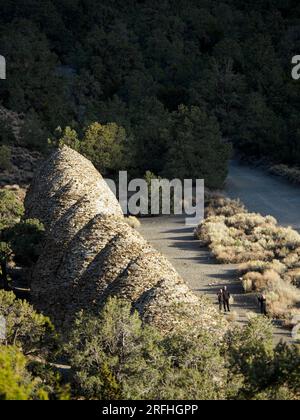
(169, 235)
(265, 194)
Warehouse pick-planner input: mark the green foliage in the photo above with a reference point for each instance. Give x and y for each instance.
(114, 356)
(37, 85)
(163, 68)
(104, 145)
(262, 371)
(50, 379)
(223, 88)
(149, 177)
(11, 209)
(25, 240)
(286, 371)
(263, 129)
(15, 381)
(67, 137)
(25, 328)
(33, 134)
(196, 150)
(135, 64)
(5, 254)
(6, 134)
(5, 251)
(249, 352)
(5, 158)
(29, 339)
(96, 62)
(18, 239)
(197, 365)
(150, 135)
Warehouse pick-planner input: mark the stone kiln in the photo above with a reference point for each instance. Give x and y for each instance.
(91, 253)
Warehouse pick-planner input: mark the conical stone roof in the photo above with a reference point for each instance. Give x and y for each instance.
(91, 253)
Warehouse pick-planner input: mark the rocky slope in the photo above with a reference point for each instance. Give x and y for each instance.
(23, 163)
(91, 253)
(14, 121)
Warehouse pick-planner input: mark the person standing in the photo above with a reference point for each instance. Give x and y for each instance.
(263, 304)
(220, 299)
(226, 299)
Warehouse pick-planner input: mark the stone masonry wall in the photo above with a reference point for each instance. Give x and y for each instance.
(91, 253)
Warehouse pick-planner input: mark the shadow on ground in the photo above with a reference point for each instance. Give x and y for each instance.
(201, 271)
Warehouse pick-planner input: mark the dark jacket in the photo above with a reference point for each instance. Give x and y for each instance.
(226, 295)
(262, 300)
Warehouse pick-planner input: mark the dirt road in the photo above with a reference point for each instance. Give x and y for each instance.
(261, 193)
(265, 194)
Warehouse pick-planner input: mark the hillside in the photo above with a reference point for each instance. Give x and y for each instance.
(134, 65)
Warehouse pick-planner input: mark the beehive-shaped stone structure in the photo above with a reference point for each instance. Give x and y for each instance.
(91, 253)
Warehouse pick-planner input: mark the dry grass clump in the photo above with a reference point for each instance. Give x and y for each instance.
(239, 252)
(211, 230)
(289, 275)
(280, 286)
(248, 237)
(250, 221)
(251, 281)
(219, 205)
(133, 222)
(293, 276)
(259, 282)
(281, 295)
(291, 174)
(268, 254)
(232, 317)
(292, 260)
(261, 266)
(238, 238)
